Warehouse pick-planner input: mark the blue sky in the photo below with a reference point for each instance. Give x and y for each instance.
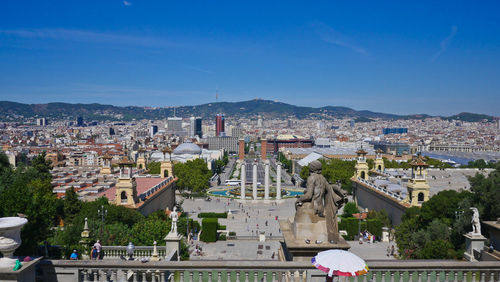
(435, 57)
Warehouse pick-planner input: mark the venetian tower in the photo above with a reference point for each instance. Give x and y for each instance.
(379, 161)
(166, 168)
(141, 159)
(126, 188)
(418, 188)
(106, 164)
(361, 164)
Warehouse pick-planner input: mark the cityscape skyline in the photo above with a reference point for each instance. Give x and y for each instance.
(408, 58)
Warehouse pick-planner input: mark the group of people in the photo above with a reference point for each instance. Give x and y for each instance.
(366, 236)
(95, 254)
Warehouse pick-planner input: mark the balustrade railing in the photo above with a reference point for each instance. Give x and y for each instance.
(116, 252)
(405, 271)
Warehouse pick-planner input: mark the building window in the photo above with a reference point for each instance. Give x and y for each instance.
(420, 197)
(123, 197)
(363, 175)
(165, 173)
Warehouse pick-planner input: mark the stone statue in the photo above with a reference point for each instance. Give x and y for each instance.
(325, 199)
(174, 216)
(476, 225)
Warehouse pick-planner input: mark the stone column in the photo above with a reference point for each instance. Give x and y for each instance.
(254, 182)
(243, 177)
(266, 181)
(278, 181)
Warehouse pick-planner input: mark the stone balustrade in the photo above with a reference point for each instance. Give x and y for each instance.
(400, 270)
(115, 252)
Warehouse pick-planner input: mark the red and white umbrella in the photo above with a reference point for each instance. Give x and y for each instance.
(340, 263)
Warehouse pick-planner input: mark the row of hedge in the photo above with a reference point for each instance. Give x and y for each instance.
(351, 225)
(212, 215)
(209, 227)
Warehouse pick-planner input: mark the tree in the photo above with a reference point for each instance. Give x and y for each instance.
(28, 191)
(193, 175)
(304, 172)
(154, 167)
(71, 205)
(349, 209)
(338, 170)
(486, 194)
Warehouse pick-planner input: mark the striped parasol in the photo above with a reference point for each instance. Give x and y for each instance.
(340, 263)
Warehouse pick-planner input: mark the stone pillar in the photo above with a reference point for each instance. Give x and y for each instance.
(254, 181)
(242, 149)
(173, 243)
(263, 149)
(266, 181)
(85, 240)
(243, 177)
(278, 181)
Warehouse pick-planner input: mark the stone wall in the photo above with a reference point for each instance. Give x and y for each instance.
(160, 200)
(371, 199)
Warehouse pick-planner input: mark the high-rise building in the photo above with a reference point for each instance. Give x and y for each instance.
(174, 125)
(237, 132)
(195, 127)
(111, 131)
(228, 143)
(79, 121)
(219, 125)
(41, 121)
(153, 130)
(352, 123)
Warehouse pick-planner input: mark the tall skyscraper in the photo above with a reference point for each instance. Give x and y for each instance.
(174, 125)
(153, 130)
(195, 127)
(79, 121)
(219, 125)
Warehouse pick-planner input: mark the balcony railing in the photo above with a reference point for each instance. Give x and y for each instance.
(400, 270)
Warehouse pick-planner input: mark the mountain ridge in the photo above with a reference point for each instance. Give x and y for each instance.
(95, 111)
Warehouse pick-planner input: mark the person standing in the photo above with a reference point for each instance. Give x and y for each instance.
(98, 247)
(74, 255)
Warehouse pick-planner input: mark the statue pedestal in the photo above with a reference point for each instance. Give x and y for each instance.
(474, 243)
(173, 243)
(295, 247)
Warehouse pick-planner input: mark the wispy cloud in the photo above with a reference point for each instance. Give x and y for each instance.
(328, 34)
(88, 36)
(445, 43)
(127, 3)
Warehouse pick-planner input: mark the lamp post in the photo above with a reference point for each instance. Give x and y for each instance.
(102, 212)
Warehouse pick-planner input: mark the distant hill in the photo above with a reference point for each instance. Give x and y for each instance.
(470, 117)
(266, 108)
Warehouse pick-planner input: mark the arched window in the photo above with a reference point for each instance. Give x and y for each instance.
(379, 167)
(140, 166)
(420, 197)
(165, 173)
(123, 197)
(363, 175)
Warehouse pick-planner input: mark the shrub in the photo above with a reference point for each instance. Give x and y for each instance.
(209, 227)
(232, 233)
(222, 227)
(222, 237)
(351, 225)
(212, 215)
(374, 226)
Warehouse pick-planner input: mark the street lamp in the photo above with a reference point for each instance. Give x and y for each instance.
(102, 212)
(130, 250)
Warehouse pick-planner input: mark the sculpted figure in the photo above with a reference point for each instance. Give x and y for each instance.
(174, 216)
(326, 199)
(476, 225)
